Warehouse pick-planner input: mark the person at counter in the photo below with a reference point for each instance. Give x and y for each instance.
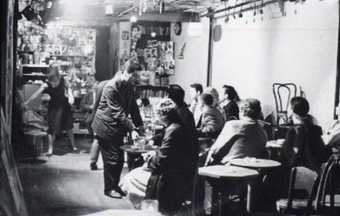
(111, 123)
(59, 115)
(168, 172)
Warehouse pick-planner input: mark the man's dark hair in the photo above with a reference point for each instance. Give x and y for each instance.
(207, 99)
(198, 87)
(300, 106)
(176, 93)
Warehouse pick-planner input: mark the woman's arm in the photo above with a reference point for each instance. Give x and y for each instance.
(36, 93)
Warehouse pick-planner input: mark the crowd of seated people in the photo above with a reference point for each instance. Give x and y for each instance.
(237, 126)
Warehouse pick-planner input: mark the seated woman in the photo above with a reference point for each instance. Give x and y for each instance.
(211, 121)
(240, 138)
(168, 172)
(229, 103)
(303, 145)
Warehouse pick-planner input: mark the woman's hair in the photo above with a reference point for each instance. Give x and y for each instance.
(207, 99)
(53, 73)
(251, 108)
(213, 92)
(167, 109)
(176, 94)
(299, 106)
(198, 87)
(231, 92)
(145, 101)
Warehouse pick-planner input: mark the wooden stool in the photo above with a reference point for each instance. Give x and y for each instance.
(36, 143)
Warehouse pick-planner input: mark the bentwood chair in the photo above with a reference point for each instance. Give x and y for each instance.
(301, 192)
(327, 199)
(283, 92)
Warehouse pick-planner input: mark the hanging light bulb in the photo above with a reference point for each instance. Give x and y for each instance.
(133, 19)
(108, 9)
(153, 34)
(226, 20)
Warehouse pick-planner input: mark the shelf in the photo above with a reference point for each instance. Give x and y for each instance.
(35, 75)
(35, 65)
(72, 56)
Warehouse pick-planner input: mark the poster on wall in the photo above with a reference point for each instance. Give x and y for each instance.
(124, 44)
(151, 45)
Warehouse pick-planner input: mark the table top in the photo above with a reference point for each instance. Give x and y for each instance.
(138, 149)
(229, 172)
(255, 163)
(125, 212)
(275, 143)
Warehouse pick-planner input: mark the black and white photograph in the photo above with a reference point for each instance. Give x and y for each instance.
(169, 107)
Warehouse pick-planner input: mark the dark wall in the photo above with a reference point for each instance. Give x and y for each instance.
(103, 60)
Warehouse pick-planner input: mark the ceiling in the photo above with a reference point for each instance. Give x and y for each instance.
(123, 7)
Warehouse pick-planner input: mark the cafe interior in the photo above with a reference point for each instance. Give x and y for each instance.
(169, 107)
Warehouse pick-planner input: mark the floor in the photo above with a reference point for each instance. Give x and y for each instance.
(64, 185)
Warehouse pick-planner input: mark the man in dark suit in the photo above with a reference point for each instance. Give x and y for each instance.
(111, 123)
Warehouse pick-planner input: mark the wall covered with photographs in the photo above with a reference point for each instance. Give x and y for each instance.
(71, 48)
(150, 43)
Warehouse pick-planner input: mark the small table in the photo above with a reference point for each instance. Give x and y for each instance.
(274, 148)
(255, 163)
(231, 174)
(125, 212)
(132, 149)
(134, 152)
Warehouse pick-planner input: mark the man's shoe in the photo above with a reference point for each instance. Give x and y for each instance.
(93, 166)
(113, 194)
(119, 190)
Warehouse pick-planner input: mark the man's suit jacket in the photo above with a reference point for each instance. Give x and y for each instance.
(211, 122)
(238, 139)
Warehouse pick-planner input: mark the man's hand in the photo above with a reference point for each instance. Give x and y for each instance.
(134, 135)
(148, 155)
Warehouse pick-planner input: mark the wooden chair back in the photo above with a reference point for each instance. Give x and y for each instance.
(302, 183)
(283, 92)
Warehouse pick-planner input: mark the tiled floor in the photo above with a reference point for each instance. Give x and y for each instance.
(64, 185)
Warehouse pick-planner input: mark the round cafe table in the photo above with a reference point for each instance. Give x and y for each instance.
(230, 175)
(134, 149)
(134, 158)
(255, 163)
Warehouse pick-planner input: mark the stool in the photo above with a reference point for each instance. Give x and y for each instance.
(36, 143)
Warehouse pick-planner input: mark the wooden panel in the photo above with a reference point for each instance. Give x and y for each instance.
(11, 199)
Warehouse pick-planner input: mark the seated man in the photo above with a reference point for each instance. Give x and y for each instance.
(303, 145)
(211, 121)
(168, 172)
(240, 138)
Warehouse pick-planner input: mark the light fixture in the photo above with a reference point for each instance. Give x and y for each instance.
(133, 19)
(153, 34)
(49, 4)
(108, 9)
(226, 20)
